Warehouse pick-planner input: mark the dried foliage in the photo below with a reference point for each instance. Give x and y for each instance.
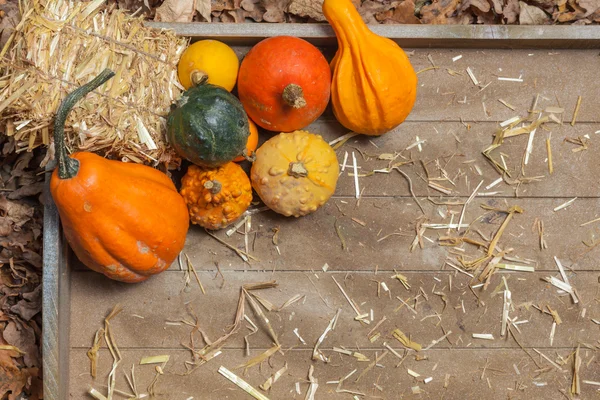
(538, 12)
(20, 272)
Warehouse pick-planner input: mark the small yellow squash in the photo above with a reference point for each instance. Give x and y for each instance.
(295, 173)
(208, 59)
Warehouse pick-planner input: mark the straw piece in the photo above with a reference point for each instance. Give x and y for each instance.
(260, 358)
(317, 355)
(406, 342)
(355, 167)
(96, 394)
(352, 304)
(576, 112)
(511, 267)
(565, 205)
(485, 336)
(93, 351)
(242, 384)
(471, 197)
(549, 152)
(555, 365)
(505, 311)
(501, 78)
(312, 388)
(529, 148)
(507, 104)
(338, 142)
(274, 378)
(155, 360)
(565, 278)
(472, 76)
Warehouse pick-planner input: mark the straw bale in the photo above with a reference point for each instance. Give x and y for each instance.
(60, 45)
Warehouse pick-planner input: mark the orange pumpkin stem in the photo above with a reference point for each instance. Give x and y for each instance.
(293, 95)
(213, 186)
(198, 77)
(297, 170)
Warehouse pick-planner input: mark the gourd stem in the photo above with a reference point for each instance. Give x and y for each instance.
(293, 95)
(213, 186)
(297, 170)
(67, 166)
(249, 155)
(198, 77)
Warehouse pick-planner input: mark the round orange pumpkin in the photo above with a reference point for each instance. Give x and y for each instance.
(284, 83)
(252, 143)
(216, 197)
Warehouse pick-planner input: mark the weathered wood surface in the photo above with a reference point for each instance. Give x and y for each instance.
(466, 368)
(152, 307)
(455, 130)
(310, 242)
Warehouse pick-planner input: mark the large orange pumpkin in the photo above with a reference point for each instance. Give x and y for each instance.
(284, 83)
(124, 220)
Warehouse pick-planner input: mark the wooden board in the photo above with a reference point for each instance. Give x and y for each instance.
(153, 310)
(446, 36)
(466, 368)
(455, 130)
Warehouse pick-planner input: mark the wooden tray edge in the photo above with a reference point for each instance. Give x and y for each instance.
(56, 303)
(438, 36)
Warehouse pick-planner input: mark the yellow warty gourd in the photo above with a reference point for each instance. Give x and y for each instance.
(295, 173)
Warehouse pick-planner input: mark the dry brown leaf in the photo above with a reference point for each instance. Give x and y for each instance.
(404, 13)
(307, 8)
(204, 9)
(275, 10)
(15, 213)
(237, 15)
(531, 15)
(369, 10)
(175, 11)
(12, 380)
(481, 5)
(546, 5)
(248, 5)
(26, 191)
(22, 336)
(440, 12)
(30, 305)
(511, 11)
(15, 380)
(590, 6)
(253, 9)
(225, 5)
(497, 4)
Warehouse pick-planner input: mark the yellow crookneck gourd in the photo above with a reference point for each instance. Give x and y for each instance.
(374, 85)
